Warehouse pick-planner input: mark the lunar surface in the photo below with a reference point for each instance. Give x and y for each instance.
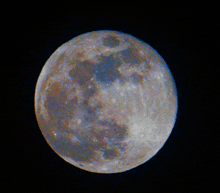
(105, 102)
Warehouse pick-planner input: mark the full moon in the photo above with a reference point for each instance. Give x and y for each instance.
(105, 101)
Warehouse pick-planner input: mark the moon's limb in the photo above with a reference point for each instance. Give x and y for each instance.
(105, 102)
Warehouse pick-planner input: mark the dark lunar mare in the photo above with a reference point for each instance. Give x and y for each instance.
(111, 41)
(83, 72)
(129, 55)
(106, 69)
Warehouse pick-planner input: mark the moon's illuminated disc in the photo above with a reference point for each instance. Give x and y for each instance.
(105, 101)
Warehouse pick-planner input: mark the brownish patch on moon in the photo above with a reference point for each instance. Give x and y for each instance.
(82, 73)
(61, 59)
(137, 78)
(79, 55)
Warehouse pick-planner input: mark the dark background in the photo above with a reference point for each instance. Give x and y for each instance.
(185, 35)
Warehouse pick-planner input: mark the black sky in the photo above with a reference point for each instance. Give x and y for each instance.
(184, 35)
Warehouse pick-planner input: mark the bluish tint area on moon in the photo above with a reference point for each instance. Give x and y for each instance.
(106, 70)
